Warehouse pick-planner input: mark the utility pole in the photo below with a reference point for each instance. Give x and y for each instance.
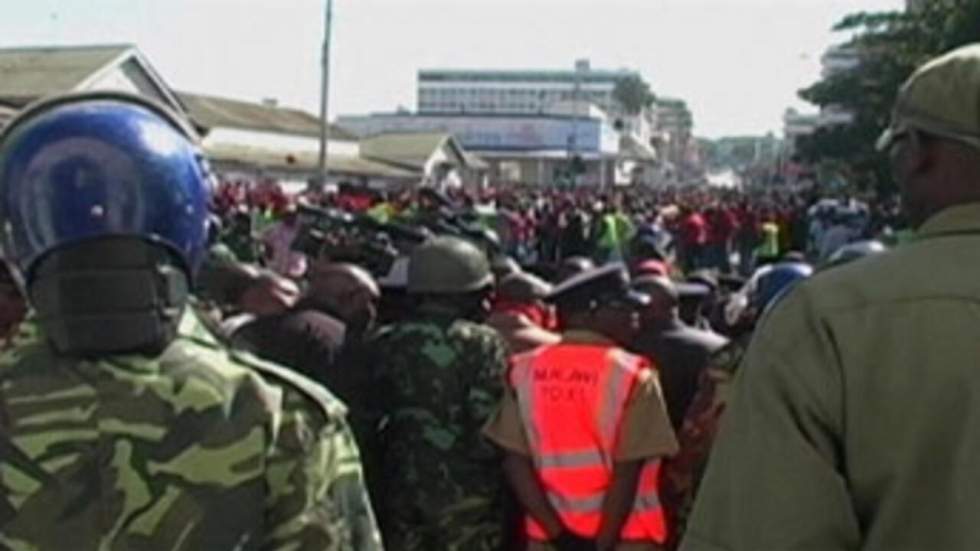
(573, 139)
(322, 170)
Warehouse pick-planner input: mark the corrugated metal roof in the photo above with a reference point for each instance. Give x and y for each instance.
(413, 149)
(303, 161)
(30, 73)
(213, 112)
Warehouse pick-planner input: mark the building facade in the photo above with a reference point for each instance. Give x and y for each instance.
(518, 148)
(515, 92)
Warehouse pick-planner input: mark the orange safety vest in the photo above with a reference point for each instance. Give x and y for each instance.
(571, 399)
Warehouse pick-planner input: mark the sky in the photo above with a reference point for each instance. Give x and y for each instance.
(738, 63)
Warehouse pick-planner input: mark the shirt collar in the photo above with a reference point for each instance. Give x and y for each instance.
(953, 220)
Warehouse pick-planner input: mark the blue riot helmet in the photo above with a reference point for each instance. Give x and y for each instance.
(103, 210)
(79, 167)
(775, 282)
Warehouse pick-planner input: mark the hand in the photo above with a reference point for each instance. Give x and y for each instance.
(567, 541)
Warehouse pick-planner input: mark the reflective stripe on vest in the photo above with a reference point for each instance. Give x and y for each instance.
(571, 399)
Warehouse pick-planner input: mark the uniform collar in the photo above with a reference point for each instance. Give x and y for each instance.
(582, 336)
(953, 220)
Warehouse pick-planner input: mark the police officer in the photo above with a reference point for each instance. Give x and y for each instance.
(854, 420)
(124, 424)
(584, 426)
(441, 376)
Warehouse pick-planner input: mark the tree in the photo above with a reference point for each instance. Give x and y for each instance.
(634, 94)
(890, 45)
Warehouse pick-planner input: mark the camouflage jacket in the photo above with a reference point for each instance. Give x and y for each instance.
(194, 449)
(440, 380)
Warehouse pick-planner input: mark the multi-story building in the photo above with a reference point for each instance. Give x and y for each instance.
(515, 92)
(674, 122)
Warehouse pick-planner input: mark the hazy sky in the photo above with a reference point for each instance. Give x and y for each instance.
(738, 63)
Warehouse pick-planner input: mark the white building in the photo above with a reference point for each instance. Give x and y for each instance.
(248, 140)
(518, 148)
(515, 92)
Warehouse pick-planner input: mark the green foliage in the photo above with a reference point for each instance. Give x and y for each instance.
(634, 94)
(891, 45)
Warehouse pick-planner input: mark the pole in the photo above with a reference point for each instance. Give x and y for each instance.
(573, 139)
(322, 170)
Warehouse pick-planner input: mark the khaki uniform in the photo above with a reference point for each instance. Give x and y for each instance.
(856, 418)
(645, 431)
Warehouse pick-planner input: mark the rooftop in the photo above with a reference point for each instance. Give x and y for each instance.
(414, 149)
(213, 112)
(410, 148)
(469, 75)
(30, 73)
(302, 161)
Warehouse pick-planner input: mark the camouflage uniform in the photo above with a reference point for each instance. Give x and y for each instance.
(191, 450)
(682, 473)
(442, 379)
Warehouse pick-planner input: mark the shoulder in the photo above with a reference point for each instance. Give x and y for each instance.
(472, 330)
(474, 336)
(627, 361)
(921, 269)
(299, 392)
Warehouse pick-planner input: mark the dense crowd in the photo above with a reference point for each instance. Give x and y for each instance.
(500, 368)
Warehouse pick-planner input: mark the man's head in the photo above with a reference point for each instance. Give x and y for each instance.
(934, 138)
(601, 301)
(348, 292)
(663, 310)
(452, 273)
(267, 293)
(103, 205)
(525, 293)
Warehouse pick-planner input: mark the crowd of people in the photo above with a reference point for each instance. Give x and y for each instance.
(506, 368)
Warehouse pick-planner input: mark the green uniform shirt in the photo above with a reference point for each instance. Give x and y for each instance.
(856, 417)
(194, 449)
(441, 379)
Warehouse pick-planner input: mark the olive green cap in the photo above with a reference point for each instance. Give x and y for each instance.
(941, 98)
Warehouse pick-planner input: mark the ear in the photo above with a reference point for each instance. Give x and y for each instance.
(920, 154)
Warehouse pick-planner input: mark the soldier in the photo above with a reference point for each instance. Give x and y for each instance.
(441, 378)
(123, 424)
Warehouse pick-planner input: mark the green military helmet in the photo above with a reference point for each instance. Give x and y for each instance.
(448, 265)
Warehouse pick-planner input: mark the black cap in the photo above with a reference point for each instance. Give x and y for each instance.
(594, 287)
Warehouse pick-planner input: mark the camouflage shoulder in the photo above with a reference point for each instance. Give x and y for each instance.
(314, 393)
(475, 330)
(398, 333)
